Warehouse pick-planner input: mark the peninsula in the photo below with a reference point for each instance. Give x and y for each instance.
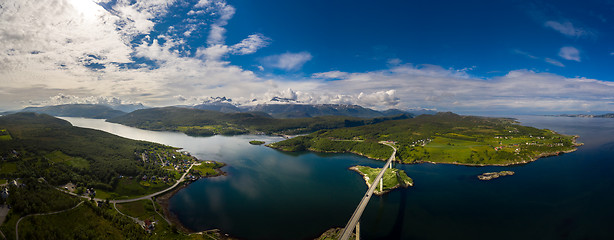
(440, 138)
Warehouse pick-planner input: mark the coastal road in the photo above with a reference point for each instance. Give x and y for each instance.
(349, 227)
(139, 198)
(157, 193)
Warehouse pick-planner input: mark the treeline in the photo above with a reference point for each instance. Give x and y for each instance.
(174, 118)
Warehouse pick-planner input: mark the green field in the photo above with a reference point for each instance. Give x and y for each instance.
(79, 223)
(140, 209)
(77, 162)
(207, 168)
(392, 178)
(8, 167)
(131, 188)
(4, 135)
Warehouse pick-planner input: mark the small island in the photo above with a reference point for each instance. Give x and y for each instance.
(393, 178)
(256, 142)
(492, 175)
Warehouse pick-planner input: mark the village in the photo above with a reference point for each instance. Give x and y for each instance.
(175, 161)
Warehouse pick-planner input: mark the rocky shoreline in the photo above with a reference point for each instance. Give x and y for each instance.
(492, 175)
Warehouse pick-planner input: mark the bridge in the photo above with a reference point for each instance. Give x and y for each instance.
(354, 220)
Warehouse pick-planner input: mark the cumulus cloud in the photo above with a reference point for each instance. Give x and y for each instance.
(570, 53)
(447, 89)
(287, 61)
(79, 48)
(379, 100)
(225, 12)
(202, 3)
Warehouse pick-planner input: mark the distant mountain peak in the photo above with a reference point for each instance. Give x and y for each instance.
(217, 100)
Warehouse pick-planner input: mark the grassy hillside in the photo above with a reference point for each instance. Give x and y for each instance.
(442, 138)
(198, 122)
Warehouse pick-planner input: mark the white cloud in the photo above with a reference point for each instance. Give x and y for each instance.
(251, 44)
(331, 75)
(446, 89)
(554, 62)
(53, 53)
(48, 56)
(394, 61)
(203, 3)
(570, 53)
(225, 12)
(287, 61)
(567, 28)
(71, 99)
(381, 98)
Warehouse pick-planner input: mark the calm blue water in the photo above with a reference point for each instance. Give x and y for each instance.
(274, 195)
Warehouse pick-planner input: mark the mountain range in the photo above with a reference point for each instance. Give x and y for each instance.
(274, 110)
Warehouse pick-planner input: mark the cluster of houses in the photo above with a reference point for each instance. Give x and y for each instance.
(180, 162)
(5, 189)
(421, 142)
(13, 154)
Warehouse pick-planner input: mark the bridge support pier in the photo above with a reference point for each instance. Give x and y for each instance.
(381, 184)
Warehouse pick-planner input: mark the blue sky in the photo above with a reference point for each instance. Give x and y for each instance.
(463, 56)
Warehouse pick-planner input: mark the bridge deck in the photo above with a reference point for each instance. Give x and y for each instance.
(349, 227)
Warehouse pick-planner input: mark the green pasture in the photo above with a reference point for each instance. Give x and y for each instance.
(77, 162)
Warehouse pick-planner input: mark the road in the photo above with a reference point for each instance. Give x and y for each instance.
(139, 198)
(40, 214)
(349, 227)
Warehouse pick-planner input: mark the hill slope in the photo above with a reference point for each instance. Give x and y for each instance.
(94, 157)
(205, 122)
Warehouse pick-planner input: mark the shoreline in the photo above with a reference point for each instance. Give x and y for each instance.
(163, 200)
